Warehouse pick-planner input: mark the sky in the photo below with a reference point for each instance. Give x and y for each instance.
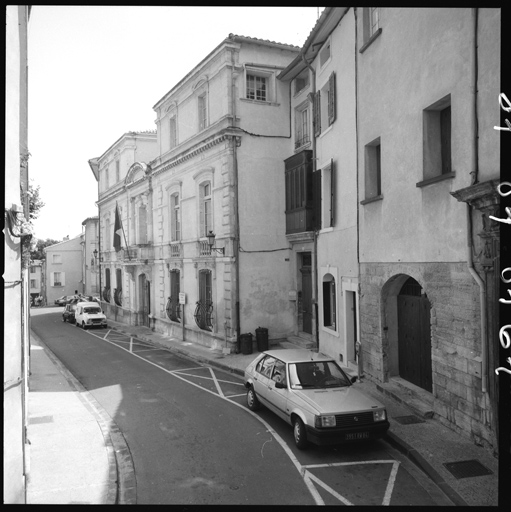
(95, 73)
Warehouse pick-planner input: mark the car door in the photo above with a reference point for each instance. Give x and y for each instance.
(278, 397)
(262, 378)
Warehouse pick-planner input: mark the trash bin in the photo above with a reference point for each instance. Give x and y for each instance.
(246, 343)
(262, 339)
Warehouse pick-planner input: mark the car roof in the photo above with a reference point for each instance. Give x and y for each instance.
(87, 304)
(298, 355)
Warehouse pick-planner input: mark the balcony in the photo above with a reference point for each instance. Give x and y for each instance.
(139, 253)
(302, 193)
(173, 250)
(203, 248)
(299, 220)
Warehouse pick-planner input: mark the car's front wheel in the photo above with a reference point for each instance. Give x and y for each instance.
(84, 327)
(252, 400)
(299, 433)
(64, 319)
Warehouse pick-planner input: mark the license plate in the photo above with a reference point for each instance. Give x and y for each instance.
(357, 435)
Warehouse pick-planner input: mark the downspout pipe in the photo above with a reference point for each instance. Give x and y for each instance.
(475, 171)
(316, 312)
(236, 248)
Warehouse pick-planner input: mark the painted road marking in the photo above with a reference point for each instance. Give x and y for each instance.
(388, 490)
(309, 479)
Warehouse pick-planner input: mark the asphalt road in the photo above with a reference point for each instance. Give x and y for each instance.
(194, 441)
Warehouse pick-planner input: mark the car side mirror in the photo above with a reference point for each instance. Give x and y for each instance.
(280, 385)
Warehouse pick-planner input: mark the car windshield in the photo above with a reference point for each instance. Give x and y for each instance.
(317, 375)
(92, 310)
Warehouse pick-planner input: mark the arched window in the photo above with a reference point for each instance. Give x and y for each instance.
(204, 307)
(329, 302)
(118, 289)
(173, 309)
(106, 290)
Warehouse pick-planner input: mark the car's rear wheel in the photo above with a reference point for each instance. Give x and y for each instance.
(299, 433)
(252, 400)
(76, 324)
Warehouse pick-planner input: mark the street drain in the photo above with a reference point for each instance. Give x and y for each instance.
(467, 468)
(408, 420)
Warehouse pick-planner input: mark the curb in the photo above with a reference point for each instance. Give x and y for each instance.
(414, 456)
(122, 482)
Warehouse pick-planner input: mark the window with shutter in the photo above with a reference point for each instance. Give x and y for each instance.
(331, 99)
(316, 193)
(317, 113)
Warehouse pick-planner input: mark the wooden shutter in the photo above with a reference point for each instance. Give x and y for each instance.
(317, 113)
(316, 198)
(331, 99)
(52, 278)
(63, 278)
(332, 193)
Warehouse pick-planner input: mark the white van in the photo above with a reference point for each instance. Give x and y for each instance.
(89, 314)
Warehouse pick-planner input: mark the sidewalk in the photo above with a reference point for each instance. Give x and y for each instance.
(71, 455)
(76, 453)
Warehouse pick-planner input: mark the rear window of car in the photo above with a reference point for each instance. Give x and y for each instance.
(92, 310)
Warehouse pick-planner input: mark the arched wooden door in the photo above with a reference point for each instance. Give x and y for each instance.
(414, 335)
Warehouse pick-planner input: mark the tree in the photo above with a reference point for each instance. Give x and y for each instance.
(38, 253)
(35, 203)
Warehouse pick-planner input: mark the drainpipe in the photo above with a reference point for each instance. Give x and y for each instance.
(315, 250)
(475, 170)
(236, 204)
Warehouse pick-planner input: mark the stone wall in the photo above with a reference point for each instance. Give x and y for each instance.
(455, 337)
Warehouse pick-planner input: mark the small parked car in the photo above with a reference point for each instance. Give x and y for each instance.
(311, 392)
(69, 313)
(62, 301)
(89, 314)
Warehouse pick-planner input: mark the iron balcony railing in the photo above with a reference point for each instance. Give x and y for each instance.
(173, 309)
(204, 315)
(118, 296)
(106, 294)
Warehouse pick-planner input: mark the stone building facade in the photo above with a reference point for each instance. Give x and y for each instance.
(427, 105)
(222, 133)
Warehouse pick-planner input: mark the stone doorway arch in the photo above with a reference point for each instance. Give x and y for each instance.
(407, 331)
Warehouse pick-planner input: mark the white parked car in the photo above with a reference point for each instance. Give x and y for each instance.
(313, 394)
(89, 314)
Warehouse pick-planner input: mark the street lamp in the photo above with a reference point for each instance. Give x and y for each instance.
(211, 242)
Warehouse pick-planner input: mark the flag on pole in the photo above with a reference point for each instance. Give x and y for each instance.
(117, 230)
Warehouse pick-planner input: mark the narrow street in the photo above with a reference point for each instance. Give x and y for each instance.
(194, 441)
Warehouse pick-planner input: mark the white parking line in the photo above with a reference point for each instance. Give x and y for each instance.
(308, 477)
